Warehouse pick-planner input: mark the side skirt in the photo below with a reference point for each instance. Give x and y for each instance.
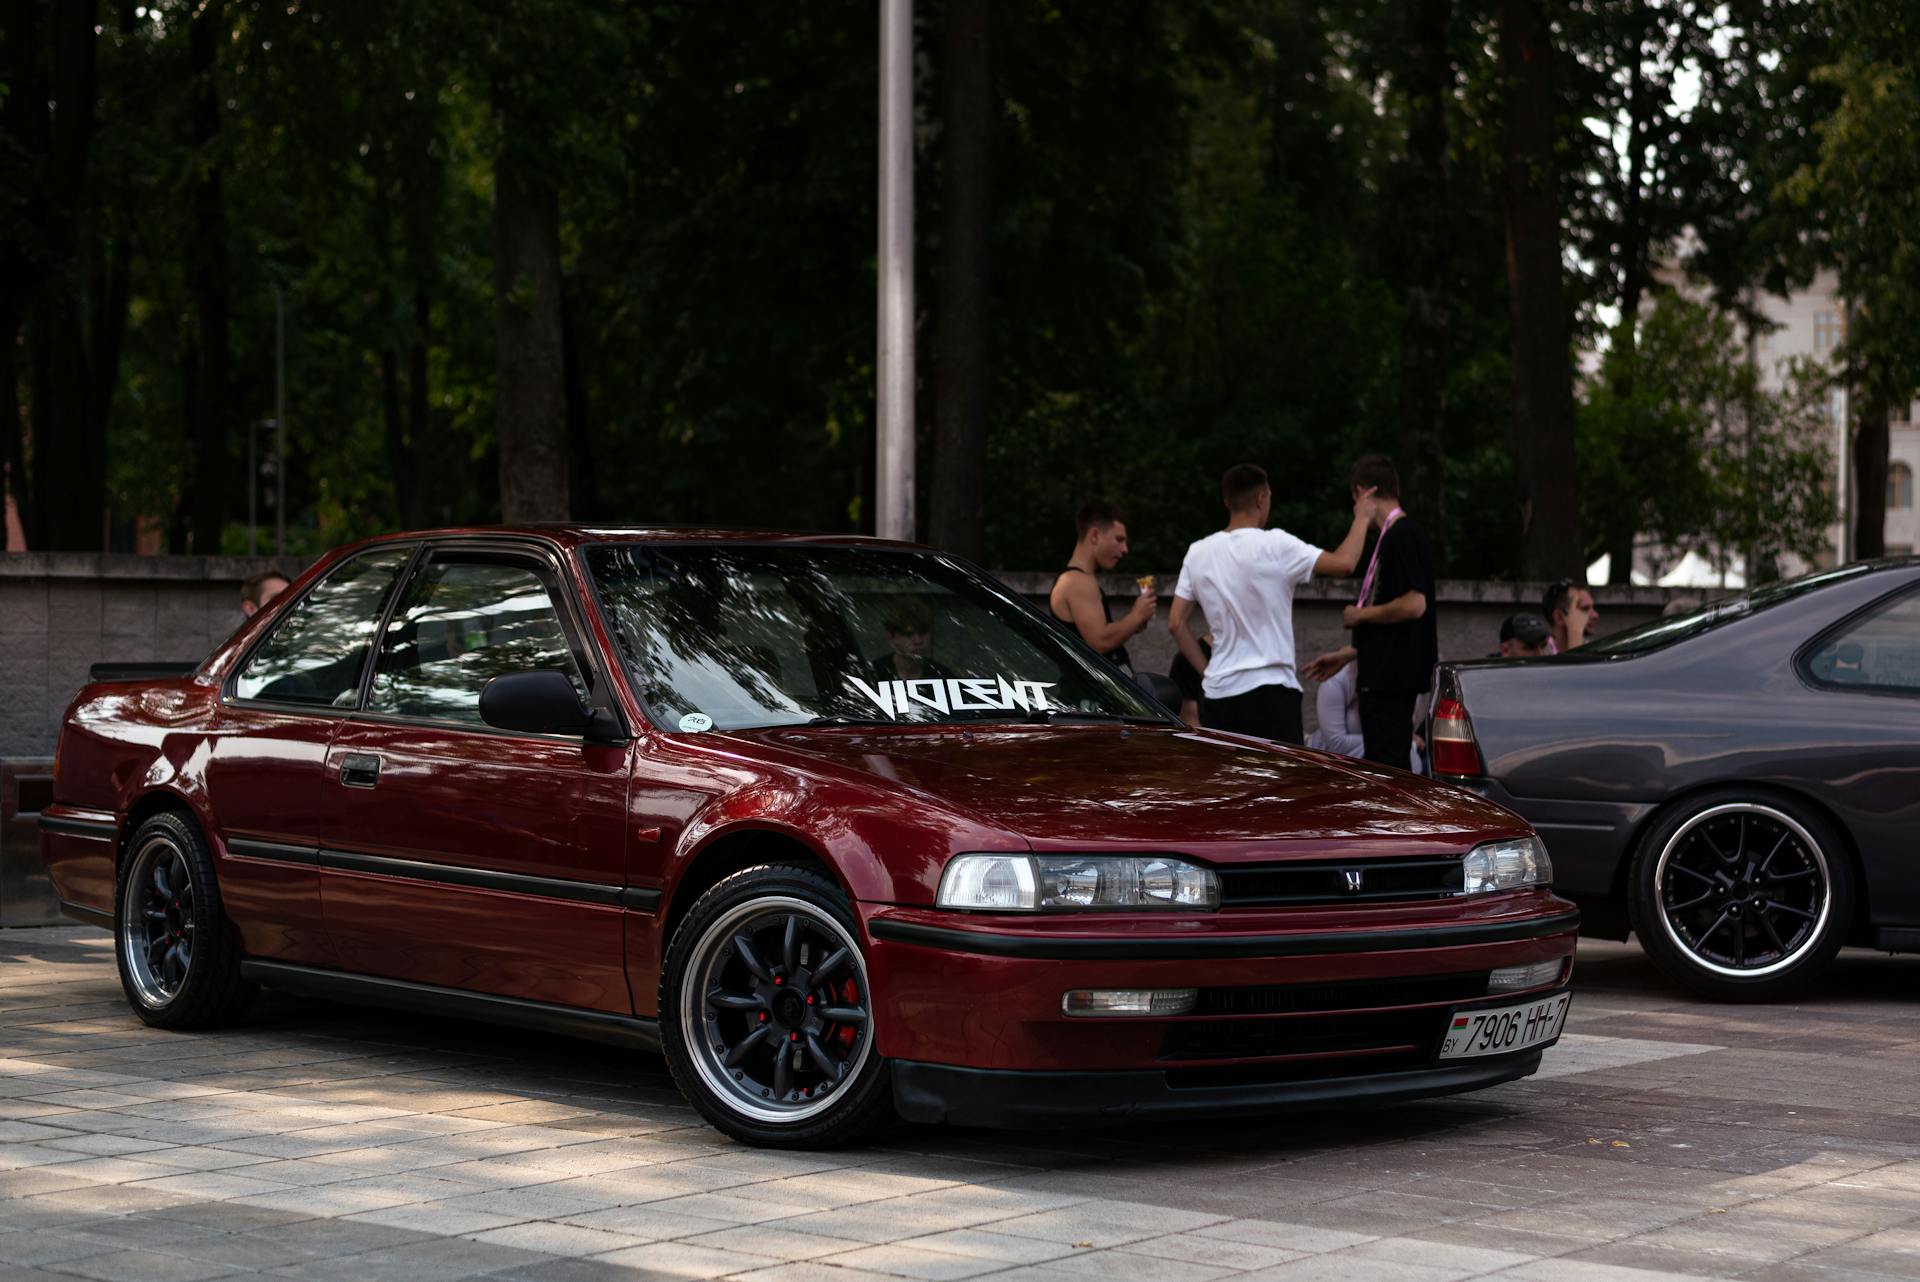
(456, 1003)
(91, 916)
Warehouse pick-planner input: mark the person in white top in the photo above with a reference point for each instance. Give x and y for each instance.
(1337, 704)
(1243, 579)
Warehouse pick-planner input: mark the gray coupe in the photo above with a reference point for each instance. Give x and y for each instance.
(1739, 785)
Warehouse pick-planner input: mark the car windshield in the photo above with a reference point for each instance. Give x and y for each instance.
(736, 636)
(1679, 627)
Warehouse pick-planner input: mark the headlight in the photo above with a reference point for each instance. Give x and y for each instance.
(1507, 865)
(1057, 883)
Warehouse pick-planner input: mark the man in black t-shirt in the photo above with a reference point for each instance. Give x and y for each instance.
(1395, 640)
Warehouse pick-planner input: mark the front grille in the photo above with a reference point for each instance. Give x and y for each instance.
(1343, 995)
(1332, 881)
(1354, 1034)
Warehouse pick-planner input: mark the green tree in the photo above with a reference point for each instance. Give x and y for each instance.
(1865, 188)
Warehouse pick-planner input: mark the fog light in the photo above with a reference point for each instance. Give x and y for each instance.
(1511, 978)
(1129, 1001)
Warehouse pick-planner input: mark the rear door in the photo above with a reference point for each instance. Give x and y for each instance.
(264, 772)
(462, 856)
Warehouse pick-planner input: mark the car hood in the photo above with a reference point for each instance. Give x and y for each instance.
(1102, 787)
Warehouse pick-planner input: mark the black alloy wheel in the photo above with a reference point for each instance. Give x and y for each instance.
(766, 1015)
(1742, 896)
(179, 960)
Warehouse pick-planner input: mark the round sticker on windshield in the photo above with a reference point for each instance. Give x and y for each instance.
(696, 721)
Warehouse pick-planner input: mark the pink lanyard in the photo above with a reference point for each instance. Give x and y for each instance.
(1373, 566)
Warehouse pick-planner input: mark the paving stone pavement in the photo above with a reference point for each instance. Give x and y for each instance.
(1667, 1138)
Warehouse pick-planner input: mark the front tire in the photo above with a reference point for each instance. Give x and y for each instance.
(766, 1016)
(1742, 896)
(179, 959)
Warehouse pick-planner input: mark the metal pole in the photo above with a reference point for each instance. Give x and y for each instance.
(894, 439)
(279, 423)
(253, 490)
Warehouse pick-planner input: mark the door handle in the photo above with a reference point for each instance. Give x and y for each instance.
(359, 770)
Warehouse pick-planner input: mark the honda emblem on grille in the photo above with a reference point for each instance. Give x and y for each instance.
(1354, 877)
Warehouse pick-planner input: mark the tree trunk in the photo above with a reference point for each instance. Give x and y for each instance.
(23, 118)
(584, 491)
(1425, 215)
(530, 361)
(419, 410)
(109, 336)
(1871, 442)
(957, 517)
(1633, 283)
(67, 452)
(1542, 425)
(207, 279)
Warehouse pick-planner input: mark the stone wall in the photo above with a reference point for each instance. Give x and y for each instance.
(61, 612)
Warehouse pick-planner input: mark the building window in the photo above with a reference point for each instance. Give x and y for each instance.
(1899, 488)
(1826, 332)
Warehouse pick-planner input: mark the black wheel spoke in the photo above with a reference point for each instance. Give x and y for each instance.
(1774, 905)
(1726, 915)
(733, 1001)
(1778, 846)
(1740, 943)
(821, 1060)
(1740, 846)
(1695, 902)
(843, 1015)
(1778, 877)
(782, 1074)
(830, 965)
(1695, 873)
(1766, 924)
(790, 946)
(161, 886)
(750, 958)
(738, 1054)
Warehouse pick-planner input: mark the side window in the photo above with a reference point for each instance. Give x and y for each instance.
(317, 653)
(1880, 651)
(459, 625)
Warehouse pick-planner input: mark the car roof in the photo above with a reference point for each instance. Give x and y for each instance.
(573, 534)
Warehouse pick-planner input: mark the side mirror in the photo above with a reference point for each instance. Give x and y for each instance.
(545, 702)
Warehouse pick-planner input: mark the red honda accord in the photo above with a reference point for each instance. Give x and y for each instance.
(843, 827)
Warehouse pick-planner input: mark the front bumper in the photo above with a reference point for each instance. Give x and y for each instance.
(1011, 1099)
(1294, 1009)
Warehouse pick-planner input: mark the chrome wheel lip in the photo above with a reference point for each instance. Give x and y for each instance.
(1792, 825)
(709, 952)
(149, 987)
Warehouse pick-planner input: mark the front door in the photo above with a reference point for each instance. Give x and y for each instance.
(458, 855)
(265, 785)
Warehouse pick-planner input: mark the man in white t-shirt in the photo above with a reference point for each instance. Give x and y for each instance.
(1243, 579)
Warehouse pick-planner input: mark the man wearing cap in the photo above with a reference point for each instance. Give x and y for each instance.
(1525, 636)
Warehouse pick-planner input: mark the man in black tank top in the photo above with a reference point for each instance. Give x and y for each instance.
(1076, 601)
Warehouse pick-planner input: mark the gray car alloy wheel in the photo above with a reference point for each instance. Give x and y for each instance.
(775, 1009)
(1744, 890)
(156, 923)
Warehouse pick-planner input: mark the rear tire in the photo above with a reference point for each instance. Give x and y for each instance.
(766, 1018)
(1741, 895)
(179, 958)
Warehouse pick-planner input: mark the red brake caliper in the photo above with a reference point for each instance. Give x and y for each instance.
(849, 992)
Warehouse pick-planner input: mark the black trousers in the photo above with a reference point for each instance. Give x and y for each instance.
(1386, 723)
(1270, 712)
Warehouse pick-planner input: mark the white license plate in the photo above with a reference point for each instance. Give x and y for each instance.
(1503, 1029)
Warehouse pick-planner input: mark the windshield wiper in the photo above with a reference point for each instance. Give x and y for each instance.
(840, 719)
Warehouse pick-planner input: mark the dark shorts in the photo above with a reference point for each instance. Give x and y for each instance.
(1270, 712)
